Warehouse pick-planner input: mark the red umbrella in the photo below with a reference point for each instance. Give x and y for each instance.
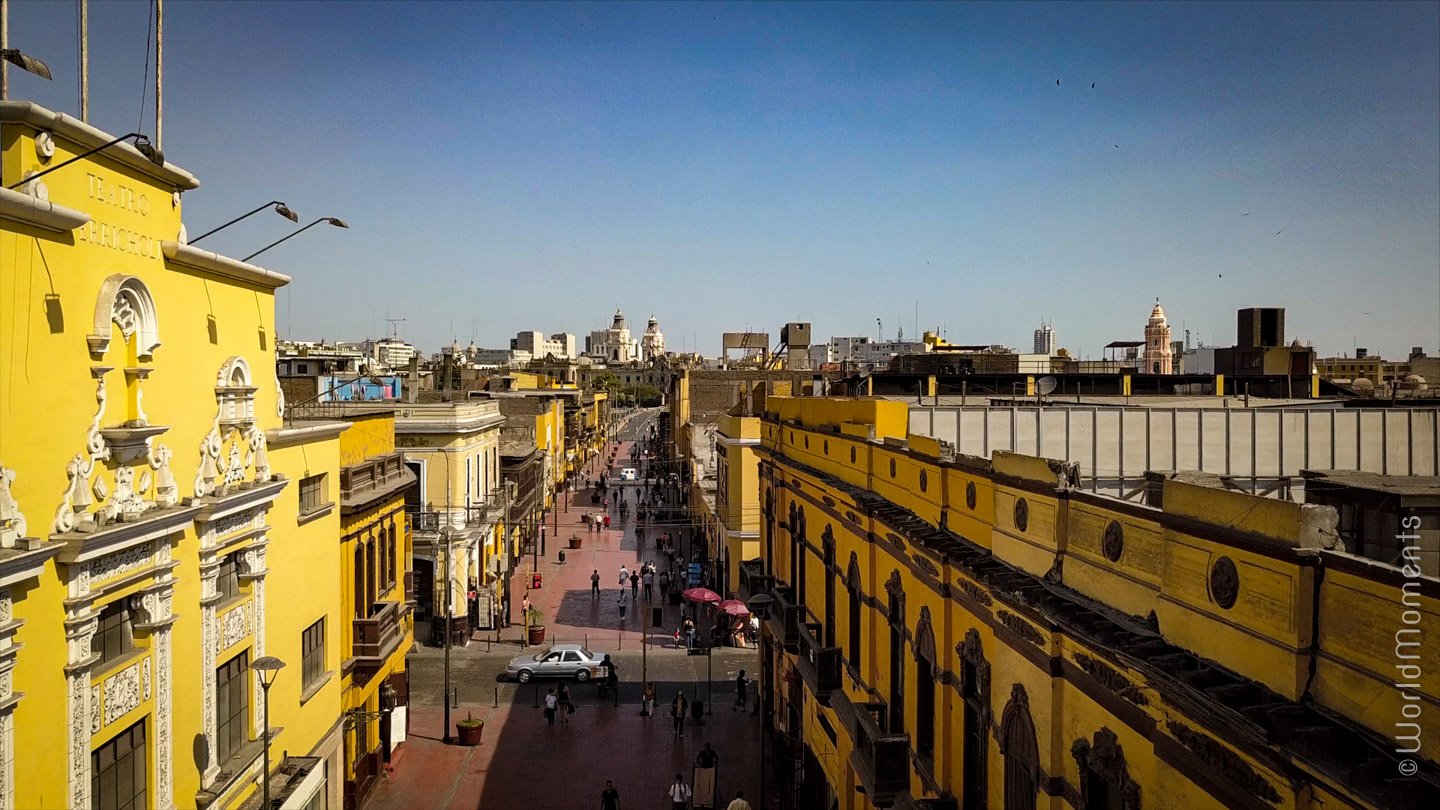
(734, 607)
(701, 595)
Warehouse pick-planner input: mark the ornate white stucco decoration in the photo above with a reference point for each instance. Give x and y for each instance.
(126, 502)
(279, 399)
(12, 521)
(222, 470)
(125, 302)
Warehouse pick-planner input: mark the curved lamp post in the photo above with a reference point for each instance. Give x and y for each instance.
(269, 667)
(280, 208)
(142, 143)
(339, 223)
(759, 606)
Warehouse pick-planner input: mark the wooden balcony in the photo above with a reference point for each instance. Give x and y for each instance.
(820, 667)
(881, 760)
(378, 637)
(373, 479)
(785, 617)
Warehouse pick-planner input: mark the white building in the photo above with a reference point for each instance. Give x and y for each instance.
(1158, 354)
(614, 345)
(1045, 339)
(874, 355)
(497, 358)
(652, 344)
(391, 353)
(560, 345)
(846, 349)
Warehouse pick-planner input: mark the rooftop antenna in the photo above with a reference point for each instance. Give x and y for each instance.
(395, 326)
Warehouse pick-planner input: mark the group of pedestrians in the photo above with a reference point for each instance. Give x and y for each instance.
(559, 705)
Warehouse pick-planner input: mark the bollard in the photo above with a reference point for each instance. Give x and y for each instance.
(455, 699)
(535, 698)
(497, 697)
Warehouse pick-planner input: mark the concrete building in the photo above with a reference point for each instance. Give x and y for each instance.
(1159, 354)
(301, 358)
(953, 631)
(389, 353)
(560, 346)
(1260, 347)
(614, 345)
(1045, 339)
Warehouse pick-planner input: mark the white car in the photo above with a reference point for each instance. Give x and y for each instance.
(629, 474)
(559, 661)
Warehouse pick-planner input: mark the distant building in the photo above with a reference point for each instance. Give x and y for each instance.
(614, 344)
(1260, 347)
(390, 353)
(561, 346)
(1045, 339)
(1159, 355)
(652, 344)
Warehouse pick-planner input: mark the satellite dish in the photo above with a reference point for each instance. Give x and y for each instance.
(1046, 385)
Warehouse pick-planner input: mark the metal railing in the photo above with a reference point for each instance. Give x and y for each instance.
(378, 635)
(432, 520)
(882, 759)
(820, 666)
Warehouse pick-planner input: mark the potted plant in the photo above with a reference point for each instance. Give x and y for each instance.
(469, 729)
(575, 541)
(535, 633)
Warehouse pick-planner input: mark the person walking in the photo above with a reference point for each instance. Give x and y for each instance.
(647, 701)
(623, 603)
(551, 702)
(563, 704)
(609, 797)
(689, 634)
(607, 520)
(742, 685)
(678, 709)
(635, 585)
(624, 577)
(649, 580)
(707, 758)
(679, 794)
(739, 803)
(664, 583)
(595, 584)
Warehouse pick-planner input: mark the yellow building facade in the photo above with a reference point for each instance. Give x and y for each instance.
(453, 449)
(955, 632)
(376, 584)
(154, 504)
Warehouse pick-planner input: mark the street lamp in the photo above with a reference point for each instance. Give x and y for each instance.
(142, 143)
(339, 223)
(280, 208)
(268, 667)
(759, 606)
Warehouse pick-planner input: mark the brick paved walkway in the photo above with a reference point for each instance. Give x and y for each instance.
(525, 764)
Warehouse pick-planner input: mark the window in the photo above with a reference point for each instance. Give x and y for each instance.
(854, 628)
(227, 582)
(394, 561)
(117, 772)
(312, 653)
(113, 637)
(897, 661)
(369, 574)
(232, 706)
(312, 493)
(801, 553)
(362, 608)
(829, 544)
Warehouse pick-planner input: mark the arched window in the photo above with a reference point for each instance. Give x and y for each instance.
(394, 559)
(361, 608)
(829, 544)
(769, 532)
(794, 526)
(853, 582)
(1022, 755)
(369, 574)
(896, 616)
(975, 691)
(925, 669)
(801, 554)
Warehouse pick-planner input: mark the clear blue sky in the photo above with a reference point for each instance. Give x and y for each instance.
(531, 166)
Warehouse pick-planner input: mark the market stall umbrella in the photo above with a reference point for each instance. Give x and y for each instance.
(701, 595)
(734, 607)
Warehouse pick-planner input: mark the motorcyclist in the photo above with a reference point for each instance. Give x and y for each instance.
(609, 678)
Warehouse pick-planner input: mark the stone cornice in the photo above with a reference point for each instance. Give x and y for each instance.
(224, 266)
(18, 206)
(209, 509)
(306, 432)
(77, 547)
(87, 137)
(19, 565)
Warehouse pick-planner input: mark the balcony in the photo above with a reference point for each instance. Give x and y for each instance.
(378, 637)
(785, 617)
(474, 516)
(881, 760)
(820, 667)
(363, 484)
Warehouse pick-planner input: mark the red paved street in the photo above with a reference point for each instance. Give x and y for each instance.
(525, 764)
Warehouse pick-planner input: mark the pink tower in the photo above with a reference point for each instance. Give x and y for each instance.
(1158, 354)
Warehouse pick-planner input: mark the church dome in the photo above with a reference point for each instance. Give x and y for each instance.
(619, 322)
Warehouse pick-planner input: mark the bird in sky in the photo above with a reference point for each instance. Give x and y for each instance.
(1117, 146)
(1221, 275)
(1057, 82)
(1092, 85)
(1277, 233)
(1246, 214)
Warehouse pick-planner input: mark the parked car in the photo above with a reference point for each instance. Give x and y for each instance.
(559, 661)
(629, 474)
